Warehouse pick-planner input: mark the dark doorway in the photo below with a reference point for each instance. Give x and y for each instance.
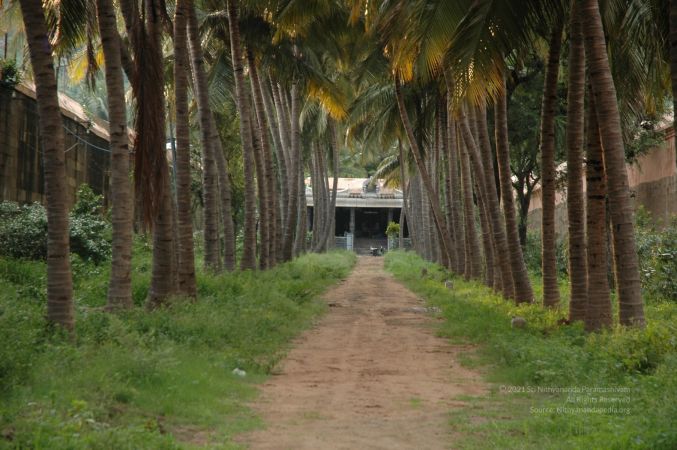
(371, 223)
(342, 221)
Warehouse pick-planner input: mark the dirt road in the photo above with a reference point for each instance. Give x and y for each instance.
(370, 375)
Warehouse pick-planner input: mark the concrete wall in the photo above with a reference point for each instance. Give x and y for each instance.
(652, 179)
(21, 175)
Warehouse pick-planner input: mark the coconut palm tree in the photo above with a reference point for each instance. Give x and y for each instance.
(473, 263)
(59, 280)
(503, 280)
(120, 284)
(598, 308)
(548, 111)
(626, 264)
(186, 257)
(244, 111)
(432, 199)
(578, 273)
(523, 291)
(216, 173)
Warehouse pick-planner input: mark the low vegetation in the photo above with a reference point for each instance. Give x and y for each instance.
(147, 379)
(546, 374)
(23, 229)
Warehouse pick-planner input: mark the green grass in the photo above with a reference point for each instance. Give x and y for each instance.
(140, 379)
(521, 411)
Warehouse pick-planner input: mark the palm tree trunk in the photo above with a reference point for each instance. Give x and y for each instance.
(213, 163)
(302, 220)
(120, 284)
(449, 193)
(523, 292)
(243, 108)
(598, 308)
(473, 262)
(281, 196)
(296, 167)
(263, 216)
(482, 200)
(455, 208)
(151, 172)
(499, 244)
(548, 111)
(59, 281)
(406, 186)
(578, 271)
(267, 163)
(434, 202)
(673, 55)
(186, 270)
(331, 230)
(626, 267)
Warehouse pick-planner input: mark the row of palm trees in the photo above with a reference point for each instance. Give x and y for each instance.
(429, 79)
(467, 54)
(278, 81)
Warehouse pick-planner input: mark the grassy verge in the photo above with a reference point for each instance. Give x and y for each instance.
(160, 379)
(554, 386)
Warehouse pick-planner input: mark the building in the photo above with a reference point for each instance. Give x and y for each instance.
(363, 211)
(652, 179)
(21, 170)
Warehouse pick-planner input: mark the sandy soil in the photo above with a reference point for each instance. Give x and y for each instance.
(370, 375)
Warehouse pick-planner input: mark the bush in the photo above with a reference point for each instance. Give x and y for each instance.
(393, 229)
(89, 231)
(9, 73)
(657, 251)
(533, 256)
(23, 229)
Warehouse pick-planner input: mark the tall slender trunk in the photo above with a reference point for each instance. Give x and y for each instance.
(262, 190)
(318, 206)
(487, 232)
(59, 281)
(482, 201)
(325, 199)
(120, 283)
(335, 151)
(406, 209)
(302, 221)
(673, 54)
(402, 223)
(434, 202)
(523, 291)
(450, 213)
(151, 168)
(186, 270)
(456, 213)
(473, 263)
(295, 166)
(626, 267)
(280, 194)
(267, 162)
(547, 132)
(578, 271)
(598, 313)
(503, 274)
(213, 163)
(243, 108)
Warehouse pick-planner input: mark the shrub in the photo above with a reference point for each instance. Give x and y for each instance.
(9, 73)
(393, 229)
(23, 229)
(657, 251)
(533, 256)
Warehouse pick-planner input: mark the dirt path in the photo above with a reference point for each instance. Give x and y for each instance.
(370, 375)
